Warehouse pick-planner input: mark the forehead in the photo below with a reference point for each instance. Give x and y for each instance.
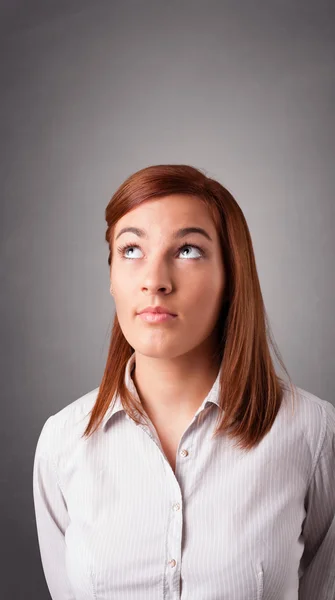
(168, 212)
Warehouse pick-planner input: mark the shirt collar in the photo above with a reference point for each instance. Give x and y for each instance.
(212, 396)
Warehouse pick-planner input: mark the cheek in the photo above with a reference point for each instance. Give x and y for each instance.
(204, 304)
(123, 306)
(205, 294)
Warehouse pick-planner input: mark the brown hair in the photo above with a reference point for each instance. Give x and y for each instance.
(251, 391)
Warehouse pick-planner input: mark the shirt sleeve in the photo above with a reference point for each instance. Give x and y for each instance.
(318, 559)
(51, 518)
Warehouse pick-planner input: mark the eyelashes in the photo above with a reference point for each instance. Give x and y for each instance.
(121, 249)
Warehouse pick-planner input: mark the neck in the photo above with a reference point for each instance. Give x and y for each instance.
(174, 388)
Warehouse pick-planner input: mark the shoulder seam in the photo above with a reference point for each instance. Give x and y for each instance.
(46, 455)
(320, 443)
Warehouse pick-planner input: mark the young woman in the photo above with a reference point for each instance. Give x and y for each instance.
(193, 471)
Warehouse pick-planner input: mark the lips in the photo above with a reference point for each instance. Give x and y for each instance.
(156, 317)
(157, 310)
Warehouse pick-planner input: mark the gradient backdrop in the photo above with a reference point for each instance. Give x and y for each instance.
(92, 91)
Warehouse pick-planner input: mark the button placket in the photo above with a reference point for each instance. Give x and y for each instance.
(173, 561)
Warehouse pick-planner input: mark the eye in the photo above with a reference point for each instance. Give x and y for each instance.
(126, 247)
(192, 246)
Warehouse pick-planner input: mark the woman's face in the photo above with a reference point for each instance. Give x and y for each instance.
(157, 272)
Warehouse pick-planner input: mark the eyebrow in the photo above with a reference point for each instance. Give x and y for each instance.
(179, 233)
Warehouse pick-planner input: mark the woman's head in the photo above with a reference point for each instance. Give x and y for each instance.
(214, 291)
(161, 200)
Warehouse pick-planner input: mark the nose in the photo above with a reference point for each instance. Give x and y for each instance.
(157, 279)
(150, 289)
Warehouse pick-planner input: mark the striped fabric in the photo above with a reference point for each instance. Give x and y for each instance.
(114, 522)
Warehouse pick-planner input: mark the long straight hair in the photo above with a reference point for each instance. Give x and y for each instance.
(251, 392)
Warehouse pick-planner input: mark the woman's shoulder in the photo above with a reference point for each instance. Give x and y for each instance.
(313, 416)
(308, 403)
(67, 425)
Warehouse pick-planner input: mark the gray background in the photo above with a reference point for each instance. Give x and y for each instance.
(92, 91)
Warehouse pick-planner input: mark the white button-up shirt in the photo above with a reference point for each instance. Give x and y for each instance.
(114, 521)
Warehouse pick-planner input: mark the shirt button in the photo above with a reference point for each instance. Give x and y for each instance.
(172, 563)
(176, 506)
(184, 452)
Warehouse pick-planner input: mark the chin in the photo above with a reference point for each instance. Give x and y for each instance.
(164, 350)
